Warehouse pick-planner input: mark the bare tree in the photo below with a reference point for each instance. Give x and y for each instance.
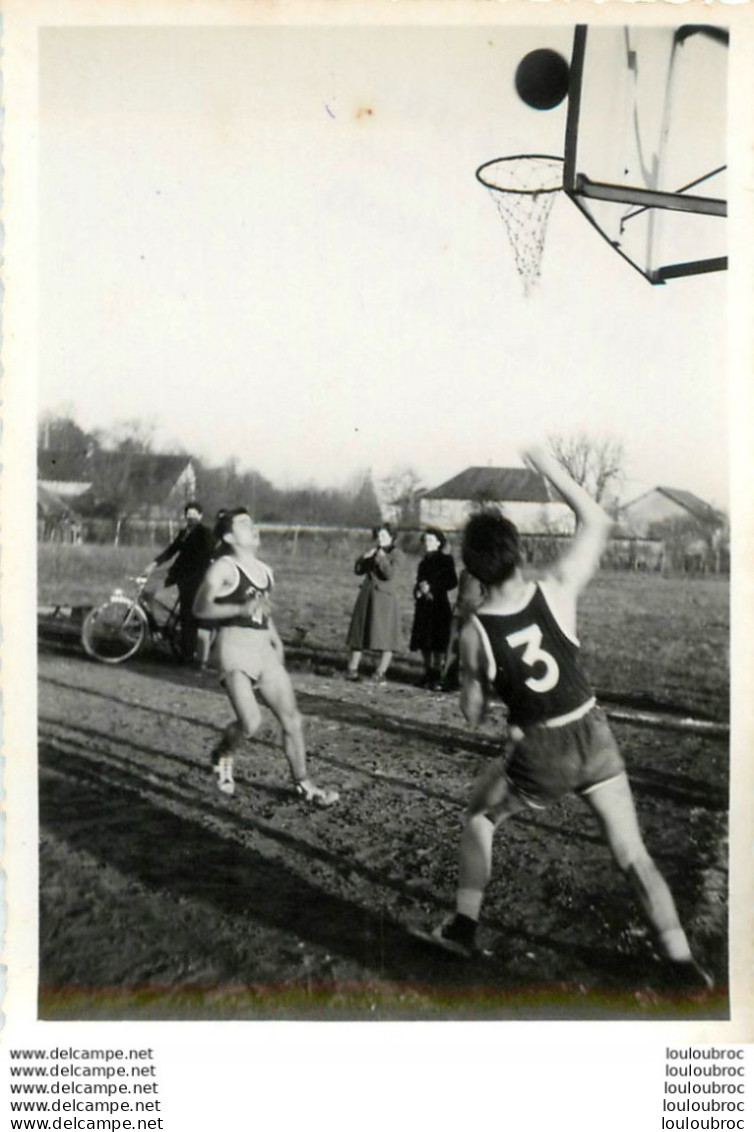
(402, 490)
(596, 465)
(116, 466)
(363, 508)
(134, 435)
(57, 430)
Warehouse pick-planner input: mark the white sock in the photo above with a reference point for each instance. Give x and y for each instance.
(675, 944)
(469, 902)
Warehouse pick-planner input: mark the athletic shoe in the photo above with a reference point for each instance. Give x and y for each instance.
(379, 681)
(353, 677)
(223, 768)
(686, 974)
(321, 796)
(458, 940)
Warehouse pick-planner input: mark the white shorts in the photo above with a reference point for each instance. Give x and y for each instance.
(250, 651)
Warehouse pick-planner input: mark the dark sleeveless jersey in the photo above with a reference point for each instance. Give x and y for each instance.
(245, 590)
(538, 668)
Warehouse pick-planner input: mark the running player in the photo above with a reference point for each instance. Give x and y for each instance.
(235, 594)
(523, 642)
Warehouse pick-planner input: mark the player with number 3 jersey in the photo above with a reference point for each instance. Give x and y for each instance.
(533, 663)
(522, 641)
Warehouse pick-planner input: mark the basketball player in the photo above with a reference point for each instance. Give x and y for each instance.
(235, 594)
(522, 641)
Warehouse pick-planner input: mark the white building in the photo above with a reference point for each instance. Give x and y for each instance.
(525, 497)
(664, 503)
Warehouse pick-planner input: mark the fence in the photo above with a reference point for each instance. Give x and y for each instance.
(649, 555)
(134, 532)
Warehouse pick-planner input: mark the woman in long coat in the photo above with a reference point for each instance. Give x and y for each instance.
(376, 622)
(430, 633)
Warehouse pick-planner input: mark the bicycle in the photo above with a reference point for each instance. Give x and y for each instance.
(118, 628)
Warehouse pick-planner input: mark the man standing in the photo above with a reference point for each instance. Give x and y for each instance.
(192, 550)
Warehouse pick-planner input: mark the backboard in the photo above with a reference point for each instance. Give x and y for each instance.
(644, 156)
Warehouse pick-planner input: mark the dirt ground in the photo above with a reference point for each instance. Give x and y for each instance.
(161, 898)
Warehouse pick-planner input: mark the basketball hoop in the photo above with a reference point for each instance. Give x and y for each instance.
(523, 188)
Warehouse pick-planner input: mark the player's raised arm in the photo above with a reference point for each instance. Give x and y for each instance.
(582, 559)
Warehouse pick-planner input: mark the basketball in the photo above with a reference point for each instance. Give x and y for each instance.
(542, 79)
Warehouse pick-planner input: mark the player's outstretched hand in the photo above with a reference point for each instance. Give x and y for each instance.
(534, 456)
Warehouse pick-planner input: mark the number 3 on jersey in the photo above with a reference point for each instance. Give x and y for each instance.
(530, 639)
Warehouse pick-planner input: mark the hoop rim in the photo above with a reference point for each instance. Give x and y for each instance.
(519, 157)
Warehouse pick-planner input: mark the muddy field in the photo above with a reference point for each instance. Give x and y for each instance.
(161, 898)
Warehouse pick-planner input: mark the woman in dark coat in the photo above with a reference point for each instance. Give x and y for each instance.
(430, 633)
(375, 622)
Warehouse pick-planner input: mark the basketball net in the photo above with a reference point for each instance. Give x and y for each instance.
(523, 189)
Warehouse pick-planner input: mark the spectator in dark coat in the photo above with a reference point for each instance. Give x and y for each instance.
(430, 633)
(376, 622)
(192, 550)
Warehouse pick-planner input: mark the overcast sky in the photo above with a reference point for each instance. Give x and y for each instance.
(270, 244)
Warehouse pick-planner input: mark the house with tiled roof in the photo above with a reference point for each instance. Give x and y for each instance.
(662, 504)
(695, 534)
(523, 495)
(64, 475)
(159, 485)
(96, 481)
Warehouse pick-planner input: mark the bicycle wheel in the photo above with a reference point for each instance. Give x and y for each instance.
(114, 631)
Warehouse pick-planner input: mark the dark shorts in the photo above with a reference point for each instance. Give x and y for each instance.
(549, 762)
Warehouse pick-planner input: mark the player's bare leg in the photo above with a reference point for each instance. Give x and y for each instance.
(492, 802)
(203, 647)
(451, 657)
(246, 724)
(613, 805)
(277, 692)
